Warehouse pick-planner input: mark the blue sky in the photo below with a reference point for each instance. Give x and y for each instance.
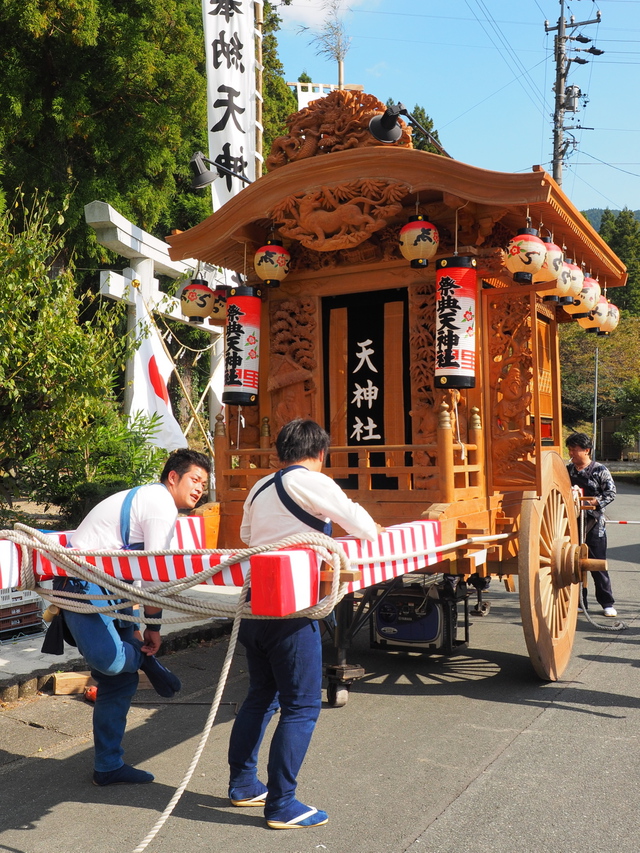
(484, 70)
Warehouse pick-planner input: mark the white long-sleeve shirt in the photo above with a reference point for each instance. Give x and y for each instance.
(267, 520)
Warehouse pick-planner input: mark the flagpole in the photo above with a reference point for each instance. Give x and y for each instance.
(179, 378)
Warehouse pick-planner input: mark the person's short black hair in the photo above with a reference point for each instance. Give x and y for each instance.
(182, 460)
(579, 439)
(301, 439)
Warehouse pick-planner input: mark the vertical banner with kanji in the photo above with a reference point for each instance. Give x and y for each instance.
(366, 377)
(230, 42)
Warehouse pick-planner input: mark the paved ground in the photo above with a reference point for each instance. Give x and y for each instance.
(429, 755)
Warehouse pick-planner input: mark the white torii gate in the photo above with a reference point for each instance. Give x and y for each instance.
(148, 256)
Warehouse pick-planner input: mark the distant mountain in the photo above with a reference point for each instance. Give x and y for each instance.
(594, 215)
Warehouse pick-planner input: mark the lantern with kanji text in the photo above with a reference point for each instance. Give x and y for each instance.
(196, 300)
(242, 340)
(418, 241)
(455, 341)
(595, 319)
(525, 256)
(552, 271)
(611, 323)
(586, 300)
(219, 311)
(271, 262)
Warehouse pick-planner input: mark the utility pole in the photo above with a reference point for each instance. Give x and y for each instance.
(566, 96)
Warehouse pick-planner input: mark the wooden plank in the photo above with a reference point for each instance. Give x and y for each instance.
(70, 683)
(338, 332)
(394, 404)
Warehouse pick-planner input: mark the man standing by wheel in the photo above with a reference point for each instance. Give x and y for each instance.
(284, 656)
(141, 518)
(599, 490)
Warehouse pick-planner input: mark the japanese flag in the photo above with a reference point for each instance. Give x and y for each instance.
(152, 368)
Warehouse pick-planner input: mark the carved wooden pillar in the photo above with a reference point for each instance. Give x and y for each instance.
(222, 457)
(265, 435)
(477, 455)
(445, 454)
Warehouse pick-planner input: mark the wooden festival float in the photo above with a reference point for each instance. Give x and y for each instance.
(439, 383)
(377, 296)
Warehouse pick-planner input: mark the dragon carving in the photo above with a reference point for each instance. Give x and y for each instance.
(335, 123)
(339, 217)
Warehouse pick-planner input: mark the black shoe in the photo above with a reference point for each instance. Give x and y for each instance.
(125, 775)
(162, 680)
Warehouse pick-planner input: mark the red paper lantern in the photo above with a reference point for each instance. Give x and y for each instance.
(271, 262)
(196, 300)
(418, 241)
(456, 289)
(526, 254)
(242, 340)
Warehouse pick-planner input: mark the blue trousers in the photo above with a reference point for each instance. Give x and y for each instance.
(284, 659)
(114, 656)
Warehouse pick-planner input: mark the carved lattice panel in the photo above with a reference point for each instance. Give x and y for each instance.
(510, 390)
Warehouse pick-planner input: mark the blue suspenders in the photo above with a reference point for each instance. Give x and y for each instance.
(295, 510)
(125, 522)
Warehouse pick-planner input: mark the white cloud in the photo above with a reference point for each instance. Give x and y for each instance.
(380, 69)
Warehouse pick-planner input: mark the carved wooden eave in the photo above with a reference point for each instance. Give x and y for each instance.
(229, 237)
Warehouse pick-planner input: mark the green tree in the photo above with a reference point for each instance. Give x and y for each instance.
(104, 99)
(56, 368)
(622, 233)
(279, 100)
(418, 139)
(618, 356)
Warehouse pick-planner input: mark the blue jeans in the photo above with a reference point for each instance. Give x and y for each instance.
(114, 656)
(284, 659)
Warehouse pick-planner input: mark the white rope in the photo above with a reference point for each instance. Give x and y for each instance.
(28, 539)
(207, 727)
(167, 594)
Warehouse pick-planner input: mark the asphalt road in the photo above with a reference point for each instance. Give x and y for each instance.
(430, 755)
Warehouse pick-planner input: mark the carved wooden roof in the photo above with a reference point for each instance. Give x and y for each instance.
(384, 184)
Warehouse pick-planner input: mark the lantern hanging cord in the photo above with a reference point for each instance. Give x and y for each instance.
(455, 239)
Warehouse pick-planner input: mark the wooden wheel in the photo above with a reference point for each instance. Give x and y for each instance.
(548, 570)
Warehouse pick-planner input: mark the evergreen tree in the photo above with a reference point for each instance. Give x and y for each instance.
(623, 235)
(279, 100)
(418, 139)
(104, 99)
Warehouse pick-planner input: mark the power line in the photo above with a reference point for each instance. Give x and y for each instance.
(517, 62)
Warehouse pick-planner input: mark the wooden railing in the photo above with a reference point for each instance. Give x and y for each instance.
(443, 471)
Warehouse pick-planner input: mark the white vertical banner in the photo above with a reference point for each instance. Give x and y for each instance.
(230, 48)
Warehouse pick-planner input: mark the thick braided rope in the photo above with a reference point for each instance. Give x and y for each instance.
(208, 725)
(165, 594)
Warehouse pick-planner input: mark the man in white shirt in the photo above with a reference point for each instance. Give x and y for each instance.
(140, 518)
(284, 656)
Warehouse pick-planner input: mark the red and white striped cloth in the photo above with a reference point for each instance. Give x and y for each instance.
(283, 582)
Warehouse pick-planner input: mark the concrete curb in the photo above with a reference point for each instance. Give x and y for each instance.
(28, 685)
